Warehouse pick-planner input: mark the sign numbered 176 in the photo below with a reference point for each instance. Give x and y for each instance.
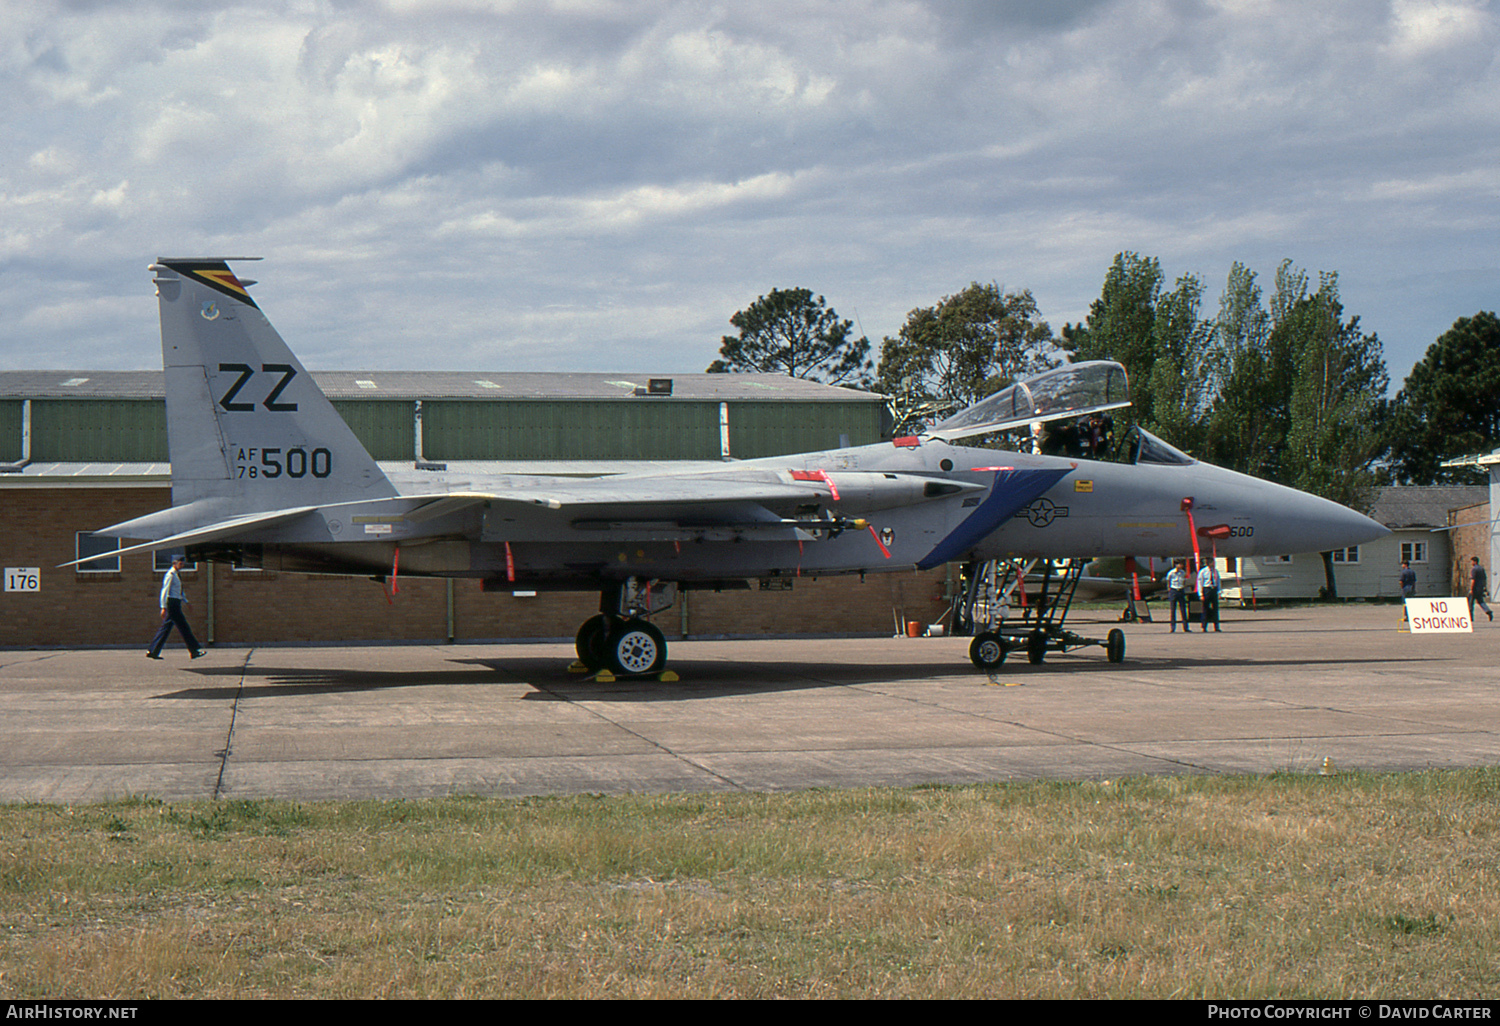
(23, 578)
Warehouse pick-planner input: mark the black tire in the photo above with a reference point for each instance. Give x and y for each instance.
(635, 648)
(590, 642)
(1114, 645)
(987, 650)
(1036, 647)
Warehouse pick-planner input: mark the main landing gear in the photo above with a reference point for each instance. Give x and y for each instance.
(988, 601)
(625, 646)
(618, 638)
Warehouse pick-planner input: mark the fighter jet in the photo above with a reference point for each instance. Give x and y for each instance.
(265, 473)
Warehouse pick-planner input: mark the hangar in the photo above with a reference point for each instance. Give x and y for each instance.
(82, 449)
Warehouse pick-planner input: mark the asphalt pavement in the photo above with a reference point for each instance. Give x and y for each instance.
(1278, 690)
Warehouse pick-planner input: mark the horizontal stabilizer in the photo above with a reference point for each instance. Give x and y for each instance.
(220, 531)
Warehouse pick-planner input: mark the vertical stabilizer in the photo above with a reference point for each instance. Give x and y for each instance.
(247, 427)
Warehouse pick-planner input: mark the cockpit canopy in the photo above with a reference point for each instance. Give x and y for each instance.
(1073, 390)
(1141, 446)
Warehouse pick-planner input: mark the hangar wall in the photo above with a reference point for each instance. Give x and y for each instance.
(120, 416)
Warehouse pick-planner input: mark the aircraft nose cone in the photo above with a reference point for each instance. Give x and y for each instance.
(1308, 523)
(1286, 521)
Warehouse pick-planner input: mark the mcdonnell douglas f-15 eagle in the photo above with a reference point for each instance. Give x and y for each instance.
(265, 472)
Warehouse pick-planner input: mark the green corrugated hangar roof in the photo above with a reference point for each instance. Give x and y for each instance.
(59, 384)
(119, 416)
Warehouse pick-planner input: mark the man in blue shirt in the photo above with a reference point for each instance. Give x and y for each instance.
(1177, 595)
(1208, 594)
(172, 599)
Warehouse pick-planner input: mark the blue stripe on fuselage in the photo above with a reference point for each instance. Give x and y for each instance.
(1012, 490)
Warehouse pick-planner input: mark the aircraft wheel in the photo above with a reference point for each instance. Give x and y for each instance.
(635, 647)
(987, 650)
(1036, 646)
(590, 642)
(1114, 645)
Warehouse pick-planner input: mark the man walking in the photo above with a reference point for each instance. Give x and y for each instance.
(1479, 587)
(171, 613)
(1409, 587)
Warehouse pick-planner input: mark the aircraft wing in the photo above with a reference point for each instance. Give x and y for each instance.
(744, 500)
(640, 494)
(749, 498)
(1242, 581)
(1101, 588)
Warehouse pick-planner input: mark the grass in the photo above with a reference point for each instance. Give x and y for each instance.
(1348, 886)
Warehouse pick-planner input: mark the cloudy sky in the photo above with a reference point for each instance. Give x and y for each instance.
(591, 184)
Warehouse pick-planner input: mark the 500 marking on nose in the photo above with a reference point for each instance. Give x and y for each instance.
(295, 463)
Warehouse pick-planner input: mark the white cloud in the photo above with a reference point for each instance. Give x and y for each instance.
(1420, 27)
(530, 178)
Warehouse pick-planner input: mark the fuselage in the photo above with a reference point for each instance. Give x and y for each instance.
(910, 497)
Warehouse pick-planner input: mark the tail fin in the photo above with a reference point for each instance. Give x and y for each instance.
(246, 423)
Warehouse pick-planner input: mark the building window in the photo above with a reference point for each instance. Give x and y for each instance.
(1349, 555)
(161, 562)
(86, 544)
(1270, 560)
(1413, 552)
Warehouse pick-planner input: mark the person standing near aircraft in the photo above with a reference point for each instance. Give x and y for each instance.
(1408, 581)
(1208, 594)
(1479, 586)
(1177, 595)
(172, 599)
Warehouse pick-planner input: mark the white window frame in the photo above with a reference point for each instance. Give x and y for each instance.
(1349, 555)
(1410, 552)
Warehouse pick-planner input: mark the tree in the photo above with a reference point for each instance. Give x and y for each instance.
(969, 345)
(791, 332)
(1298, 391)
(1294, 394)
(1160, 338)
(1333, 427)
(1309, 385)
(1253, 371)
(1449, 405)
